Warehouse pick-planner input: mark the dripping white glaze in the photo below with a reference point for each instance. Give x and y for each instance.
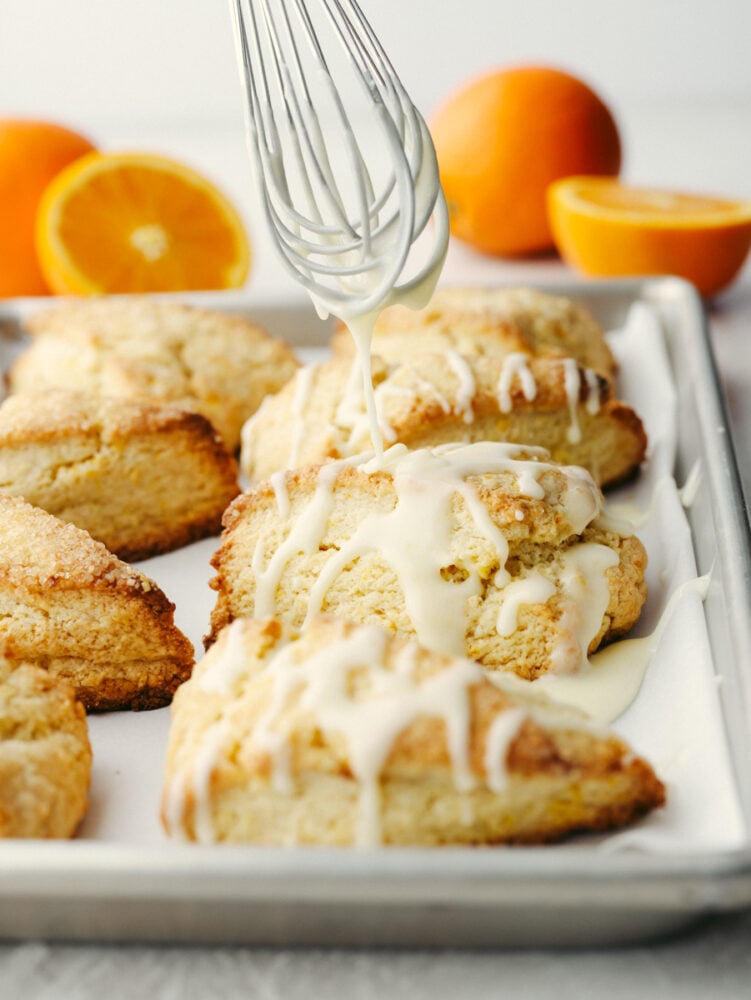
(414, 537)
(304, 536)
(503, 730)
(585, 598)
(303, 385)
(370, 716)
(350, 407)
(278, 482)
(383, 391)
(593, 391)
(354, 421)
(228, 670)
(572, 384)
(430, 390)
(572, 381)
(353, 418)
(516, 365)
(203, 768)
(533, 589)
(466, 388)
(610, 681)
(415, 295)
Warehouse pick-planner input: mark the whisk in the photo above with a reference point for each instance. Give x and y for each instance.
(347, 169)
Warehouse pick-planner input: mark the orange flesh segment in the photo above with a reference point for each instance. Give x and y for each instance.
(607, 229)
(137, 223)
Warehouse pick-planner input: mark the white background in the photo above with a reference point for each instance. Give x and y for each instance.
(167, 58)
(161, 74)
(122, 70)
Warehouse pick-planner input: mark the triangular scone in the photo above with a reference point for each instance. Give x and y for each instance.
(350, 736)
(486, 550)
(141, 477)
(491, 321)
(220, 365)
(68, 605)
(45, 755)
(435, 398)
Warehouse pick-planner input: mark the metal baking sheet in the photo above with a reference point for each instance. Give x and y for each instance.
(125, 888)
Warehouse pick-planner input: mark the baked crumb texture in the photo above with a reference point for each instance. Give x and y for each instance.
(218, 364)
(404, 746)
(432, 398)
(71, 607)
(45, 755)
(387, 548)
(141, 477)
(490, 321)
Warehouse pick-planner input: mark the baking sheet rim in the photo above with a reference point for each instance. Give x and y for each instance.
(691, 882)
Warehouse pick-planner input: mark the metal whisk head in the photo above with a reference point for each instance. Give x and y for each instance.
(346, 165)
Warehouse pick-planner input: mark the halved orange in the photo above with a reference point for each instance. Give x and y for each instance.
(137, 222)
(605, 228)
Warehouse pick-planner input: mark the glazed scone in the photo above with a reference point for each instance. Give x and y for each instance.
(484, 550)
(45, 754)
(141, 477)
(349, 736)
(71, 607)
(490, 321)
(220, 365)
(435, 398)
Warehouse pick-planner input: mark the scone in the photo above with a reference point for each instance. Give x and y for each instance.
(45, 755)
(349, 736)
(435, 398)
(68, 605)
(218, 364)
(484, 550)
(490, 321)
(141, 477)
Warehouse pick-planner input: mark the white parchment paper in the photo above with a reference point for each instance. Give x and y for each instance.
(675, 722)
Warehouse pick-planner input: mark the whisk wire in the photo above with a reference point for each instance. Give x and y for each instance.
(343, 231)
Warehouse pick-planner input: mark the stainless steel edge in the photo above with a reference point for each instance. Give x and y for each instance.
(458, 897)
(718, 515)
(462, 898)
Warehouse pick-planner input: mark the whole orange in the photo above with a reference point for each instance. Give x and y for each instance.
(503, 138)
(31, 154)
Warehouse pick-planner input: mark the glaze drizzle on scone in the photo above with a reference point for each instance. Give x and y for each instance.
(347, 735)
(431, 399)
(429, 542)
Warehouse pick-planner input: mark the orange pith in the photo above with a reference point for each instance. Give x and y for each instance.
(607, 229)
(134, 222)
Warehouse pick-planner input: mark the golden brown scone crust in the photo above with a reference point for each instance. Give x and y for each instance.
(368, 589)
(423, 402)
(141, 477)
(490, 321)
(560, 777)
(71, 607)
(219, 364)
(45, 755)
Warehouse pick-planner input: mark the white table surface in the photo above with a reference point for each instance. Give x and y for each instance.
(713, 959)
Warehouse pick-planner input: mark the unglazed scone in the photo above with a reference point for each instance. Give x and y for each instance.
(350, 736)
(220, 365)
(71, 607)
(431, 399)
(485, 550)
(141, 477)
(45, 755)
(490, 321)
